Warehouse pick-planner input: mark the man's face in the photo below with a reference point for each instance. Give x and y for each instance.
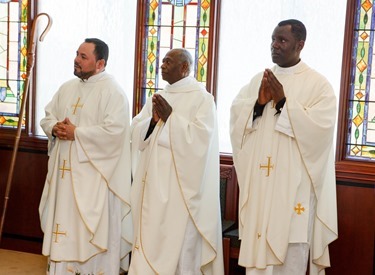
(285, 48)
(172, 68)
(85, 64)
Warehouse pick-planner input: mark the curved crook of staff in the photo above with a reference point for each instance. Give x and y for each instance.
(29, 67)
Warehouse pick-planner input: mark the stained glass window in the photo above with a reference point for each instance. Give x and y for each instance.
(361, 136)
(13, 59)
(174, 24)
(179, 3)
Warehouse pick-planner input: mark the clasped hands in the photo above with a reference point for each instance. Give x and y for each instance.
(270, 89)
(160, 109)
(64, 130)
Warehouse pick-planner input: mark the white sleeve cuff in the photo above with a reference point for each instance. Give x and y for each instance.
(283, 124)
(163, 139)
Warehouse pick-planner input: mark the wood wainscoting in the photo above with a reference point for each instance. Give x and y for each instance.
(21, 229)
(351, 253)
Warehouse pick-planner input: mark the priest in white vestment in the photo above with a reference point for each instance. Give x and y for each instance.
(282, 128)
(85, 205)
(175, 192)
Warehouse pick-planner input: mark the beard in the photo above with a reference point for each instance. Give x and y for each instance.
(83, 75)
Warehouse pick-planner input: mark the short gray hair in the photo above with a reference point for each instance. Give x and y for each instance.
(185, 56)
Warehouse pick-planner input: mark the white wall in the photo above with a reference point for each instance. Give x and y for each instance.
(73, 21)
(245, 39)
(244, 47)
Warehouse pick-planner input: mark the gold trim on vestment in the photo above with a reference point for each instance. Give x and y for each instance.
(244, 130)
(299, 209)
(57, 232)
(75, 106)
(183, 197)
(269, 166)
(63, 169)
(144, 180)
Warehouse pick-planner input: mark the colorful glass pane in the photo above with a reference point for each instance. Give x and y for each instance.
(13, 60)
(361, 136)
(174, 24)
(179, 3)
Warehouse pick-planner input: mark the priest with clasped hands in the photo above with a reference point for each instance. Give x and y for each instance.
(175, 192)
(282, 126)
(85, 205)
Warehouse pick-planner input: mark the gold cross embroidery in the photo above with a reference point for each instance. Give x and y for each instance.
(57, 232)
(63, 169)
(259, 235)
(269, 166)
(77, 105)
(144, 179)
(299, 209)
(136, 246)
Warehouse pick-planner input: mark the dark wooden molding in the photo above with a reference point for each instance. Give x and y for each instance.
(213, 48)
(354, 171)
(36, 144)
(138, 61)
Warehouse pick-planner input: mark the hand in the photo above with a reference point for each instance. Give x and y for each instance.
(264, 95)
(64, 130)
(276, 88)
(58, 130)
(161, 107)
(155, 116)
(69, 129)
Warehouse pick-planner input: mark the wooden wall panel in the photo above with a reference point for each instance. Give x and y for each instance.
(353, 251)
(21, 227)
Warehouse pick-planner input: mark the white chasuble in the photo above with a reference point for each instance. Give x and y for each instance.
(85, 205)
(176, 183)
(280, 160)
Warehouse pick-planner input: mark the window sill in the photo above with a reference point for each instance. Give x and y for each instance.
(355, 171)
(29, 143)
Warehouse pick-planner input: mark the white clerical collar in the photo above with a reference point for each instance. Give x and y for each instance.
(181, 82)
(95, 77)
(185, 84)
(288, 70)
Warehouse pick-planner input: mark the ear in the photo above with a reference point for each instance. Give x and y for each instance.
(185, 68)
(100, 64)
(301, 44)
